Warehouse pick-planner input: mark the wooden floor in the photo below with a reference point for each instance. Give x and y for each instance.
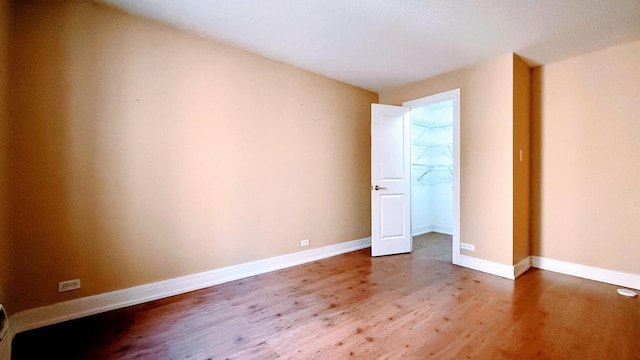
(413, 306)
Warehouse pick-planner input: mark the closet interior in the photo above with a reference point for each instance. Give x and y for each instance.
(432, 168)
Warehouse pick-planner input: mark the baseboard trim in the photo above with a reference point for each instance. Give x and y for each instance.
(442, 229)
(490, 267)
(522, 267)
(420, 230)
(77, 308)
(506, 271)
(587, 272)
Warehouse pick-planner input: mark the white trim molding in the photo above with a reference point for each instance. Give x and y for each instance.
(522, 267)
(490, 267)
(619, 278)
(587, 272)
(420, 230)
(442, 229)
(425, 229)
(77, 308)
(506, 271)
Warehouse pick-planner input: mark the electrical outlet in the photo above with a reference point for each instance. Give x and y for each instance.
(68, 285)
(304, 242)
(465, 246)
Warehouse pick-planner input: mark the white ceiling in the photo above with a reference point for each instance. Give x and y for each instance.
(380, 44)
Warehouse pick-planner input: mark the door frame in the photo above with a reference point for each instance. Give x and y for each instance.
(432, 99)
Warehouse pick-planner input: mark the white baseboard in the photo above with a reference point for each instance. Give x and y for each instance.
(442, 229)
(619, 278)
(587, 272)
(506, 271)
(419, 230)
(490, 267)
(77, 308)
(521, 267)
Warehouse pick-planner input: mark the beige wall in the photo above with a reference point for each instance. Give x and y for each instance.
(4, 238)
(586, 148)
(486, 106)
(521, 168)
(143, 153)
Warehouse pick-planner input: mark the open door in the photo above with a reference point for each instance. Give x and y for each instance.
(390, 180)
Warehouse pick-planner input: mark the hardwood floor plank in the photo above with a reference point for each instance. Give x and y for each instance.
(412, 306)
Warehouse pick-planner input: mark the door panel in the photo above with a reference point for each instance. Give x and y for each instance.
(390, 180)
(392, 150)
(392, 216)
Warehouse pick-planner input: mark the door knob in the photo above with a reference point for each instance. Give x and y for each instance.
(376, 188)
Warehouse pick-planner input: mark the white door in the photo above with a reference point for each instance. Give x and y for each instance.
(390, 180)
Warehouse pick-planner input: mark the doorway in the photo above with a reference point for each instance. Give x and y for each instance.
(432, 178)
(391, 173)
(435, 179)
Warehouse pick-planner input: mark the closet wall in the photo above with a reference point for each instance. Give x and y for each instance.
(432, 169)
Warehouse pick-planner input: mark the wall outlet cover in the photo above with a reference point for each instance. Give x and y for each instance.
(465, 246)
(68, 285)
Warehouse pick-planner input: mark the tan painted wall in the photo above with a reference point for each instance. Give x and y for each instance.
(586, 148)
(486, 204)
(144, 153)
(521, 169)
(4, 235)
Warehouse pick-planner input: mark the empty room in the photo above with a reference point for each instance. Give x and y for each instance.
(319, 179)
